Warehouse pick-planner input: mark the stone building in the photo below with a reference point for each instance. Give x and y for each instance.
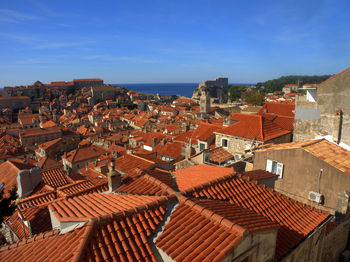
(248, 131)
(312, 172)
(32, 136)
(205, 103)
(79, 83)
(14, 102)
(325, 110)
(217, 88)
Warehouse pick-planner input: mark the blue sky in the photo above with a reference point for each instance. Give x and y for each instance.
(171, 41)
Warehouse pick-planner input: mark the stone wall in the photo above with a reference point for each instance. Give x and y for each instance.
(300, 176)
(335, 242)
(313, 120)
(14, 102)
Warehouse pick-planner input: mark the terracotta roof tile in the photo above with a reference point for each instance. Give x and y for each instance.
(254, 127)
(82, 208)
(127, 162)
(196, 175)
(55, 178)
(219, 155)
(296, 220)
(191, 236)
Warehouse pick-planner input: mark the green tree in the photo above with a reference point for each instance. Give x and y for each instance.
(255, 98)
(7, 204)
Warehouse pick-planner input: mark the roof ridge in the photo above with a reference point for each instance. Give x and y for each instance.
(209, 183)
(24, 200)
(34, 238)
(312, 142)
(78, 254)
(142, 158)
(155, 203)
(213, 216)
(159, 183)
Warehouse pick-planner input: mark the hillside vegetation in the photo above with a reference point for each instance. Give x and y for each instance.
(277, 84)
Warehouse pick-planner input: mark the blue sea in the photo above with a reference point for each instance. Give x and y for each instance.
(184, 89)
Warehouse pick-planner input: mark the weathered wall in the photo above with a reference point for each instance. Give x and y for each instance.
(300, 175)
(238, 145)
(309, 250)
(335, 242)
(256, 247)
(332, 95)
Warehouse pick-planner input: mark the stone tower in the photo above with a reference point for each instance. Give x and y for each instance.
(205, 102)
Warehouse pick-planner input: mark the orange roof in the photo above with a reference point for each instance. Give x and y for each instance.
(204, 131)
(87, 80)
(283, 109)
(296, 220)
(253, 127)
(55, 178)
(191, 236)
(85, 153)
(48, 144)
(219, 155)
(49, 123)
(127, 162)
(82, 208)
(196, 175)
(122, 236)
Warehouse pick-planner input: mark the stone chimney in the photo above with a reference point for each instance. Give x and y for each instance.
(154, 142)
(27, 180)
(337, 126)
(162, 142)
(114, 177)
(342, 205)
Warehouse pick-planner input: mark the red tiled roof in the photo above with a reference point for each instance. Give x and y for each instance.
(282, 109)
(82, 208)
(55, 178)
(243, 217)
(17, 226)
(257, 175)
(81, 187)
(219, 155)
(46, 163)
(254, 127)
(170, 149)
(296, 220)
(85, 153)
(36, 200)
(196, 175)
(127, 162)
(204, 131)
(191, 236)
(114, 237)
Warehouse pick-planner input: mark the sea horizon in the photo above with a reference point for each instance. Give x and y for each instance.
(183, 89)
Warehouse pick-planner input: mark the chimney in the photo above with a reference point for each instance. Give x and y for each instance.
(337, 126)
(114, 178)
(162, 142)
(154, 142)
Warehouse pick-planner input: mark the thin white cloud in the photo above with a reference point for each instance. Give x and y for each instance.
(7, 15)
(53, 45)
(134, 59)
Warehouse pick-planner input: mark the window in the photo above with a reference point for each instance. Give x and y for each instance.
(224, 143)
(274, 167)
(201, 146)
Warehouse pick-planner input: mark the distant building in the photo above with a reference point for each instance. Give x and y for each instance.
(325, 110)
(205, 103)
(14, 102)
(78, 83)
